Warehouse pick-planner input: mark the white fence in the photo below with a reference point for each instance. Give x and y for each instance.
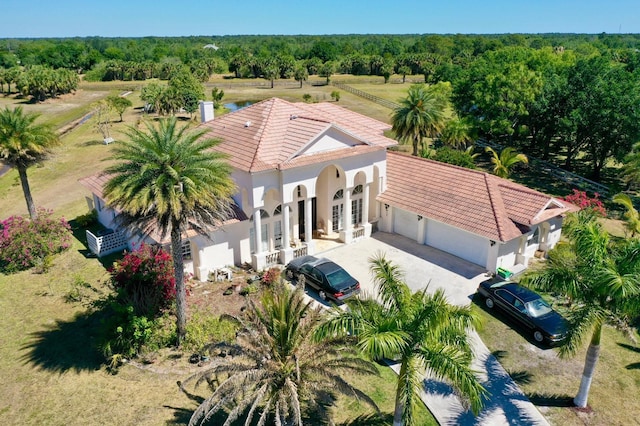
(106, 244)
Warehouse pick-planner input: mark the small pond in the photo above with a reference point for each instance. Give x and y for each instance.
(234, 106)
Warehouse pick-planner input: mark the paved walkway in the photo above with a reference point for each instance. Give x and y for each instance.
(425, 266)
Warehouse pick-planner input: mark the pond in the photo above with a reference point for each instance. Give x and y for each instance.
(234, 106)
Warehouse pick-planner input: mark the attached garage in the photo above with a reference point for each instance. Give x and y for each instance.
(465, 245)
(405, 223)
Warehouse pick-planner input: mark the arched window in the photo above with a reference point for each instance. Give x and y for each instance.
(339, 195)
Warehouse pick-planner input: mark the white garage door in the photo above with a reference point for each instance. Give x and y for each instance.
(465, 245)
(405, 223)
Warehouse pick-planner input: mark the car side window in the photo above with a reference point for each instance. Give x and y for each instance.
(520, 306)
(506, 296)
(306, 269)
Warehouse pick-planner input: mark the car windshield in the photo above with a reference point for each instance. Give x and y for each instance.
(339, 279)
(538, 308)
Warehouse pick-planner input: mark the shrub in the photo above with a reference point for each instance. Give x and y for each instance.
(124, 332)
(335, 95)
(307, 98)
(270, 276)
(582, 200)
(144, 279)
(88, 219)
(249, 289)
(455, 157)
(203, 329)
(25, 243)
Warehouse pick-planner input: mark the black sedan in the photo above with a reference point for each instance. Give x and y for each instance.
(527, 308)
(326, 277)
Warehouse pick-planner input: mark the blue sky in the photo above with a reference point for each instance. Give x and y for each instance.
(134, 18)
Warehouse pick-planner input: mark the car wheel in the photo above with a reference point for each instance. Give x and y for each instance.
(289, 274)
(489, 302)
(322, 295)
(537, 336)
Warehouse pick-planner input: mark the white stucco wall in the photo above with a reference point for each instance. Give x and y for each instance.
(224, 247)
(507, 254)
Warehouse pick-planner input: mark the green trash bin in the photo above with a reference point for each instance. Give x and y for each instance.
(504, 273)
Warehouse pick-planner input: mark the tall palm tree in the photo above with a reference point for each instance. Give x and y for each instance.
(24, 143)
(504, 162)
(599, 275)
(421, 330)
(277, 371)
(632, 215)
(166, 179)
(421, 114)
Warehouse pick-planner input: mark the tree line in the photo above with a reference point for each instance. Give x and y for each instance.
(561, 97)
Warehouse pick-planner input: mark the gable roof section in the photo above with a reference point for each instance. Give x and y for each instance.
(268, 134)
(471, 200)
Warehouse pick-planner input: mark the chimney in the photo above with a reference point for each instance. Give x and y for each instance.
(206, 111)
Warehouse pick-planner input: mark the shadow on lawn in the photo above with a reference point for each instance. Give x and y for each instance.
(633, 365)
(67, 345)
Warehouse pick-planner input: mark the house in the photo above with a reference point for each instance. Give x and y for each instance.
(307, 171)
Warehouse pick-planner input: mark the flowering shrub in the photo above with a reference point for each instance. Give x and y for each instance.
(582, 200)
(144, 279)
(270, 276)
(25, 243)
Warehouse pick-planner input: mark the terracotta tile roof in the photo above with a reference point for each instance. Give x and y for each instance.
(268, 134)
(475, 201)
(95, 183)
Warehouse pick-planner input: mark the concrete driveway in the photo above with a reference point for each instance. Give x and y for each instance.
(425, 266)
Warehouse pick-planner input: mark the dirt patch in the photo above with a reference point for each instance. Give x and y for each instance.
(222, 297)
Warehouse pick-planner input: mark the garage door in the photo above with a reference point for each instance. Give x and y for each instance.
(405, 223)
(465, 245)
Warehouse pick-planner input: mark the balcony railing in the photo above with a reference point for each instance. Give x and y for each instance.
(357, 233)
(299, 252)
(272, 258)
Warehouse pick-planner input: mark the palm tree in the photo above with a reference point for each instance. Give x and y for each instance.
(421, 114)
(599, 275)
(504, 162)
(167, 179)
(422, 331)
(632, 215)
(277, 371)
(457, 133)
(24, 143)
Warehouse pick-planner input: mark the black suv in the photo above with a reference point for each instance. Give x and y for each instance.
(328, 278)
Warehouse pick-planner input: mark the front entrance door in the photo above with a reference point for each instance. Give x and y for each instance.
(301, 217)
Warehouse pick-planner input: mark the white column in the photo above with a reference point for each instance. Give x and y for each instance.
(286, 212)
(308, 226)
(347, 211)
(365, 204)
(257, 230)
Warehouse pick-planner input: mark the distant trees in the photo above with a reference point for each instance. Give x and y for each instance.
(119, 104)
(40, 82)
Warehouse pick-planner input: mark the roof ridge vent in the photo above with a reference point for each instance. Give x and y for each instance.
(247, 124)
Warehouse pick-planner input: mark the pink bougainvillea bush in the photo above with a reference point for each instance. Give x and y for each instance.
(25, 243)
(144, 279)
(582, 200)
